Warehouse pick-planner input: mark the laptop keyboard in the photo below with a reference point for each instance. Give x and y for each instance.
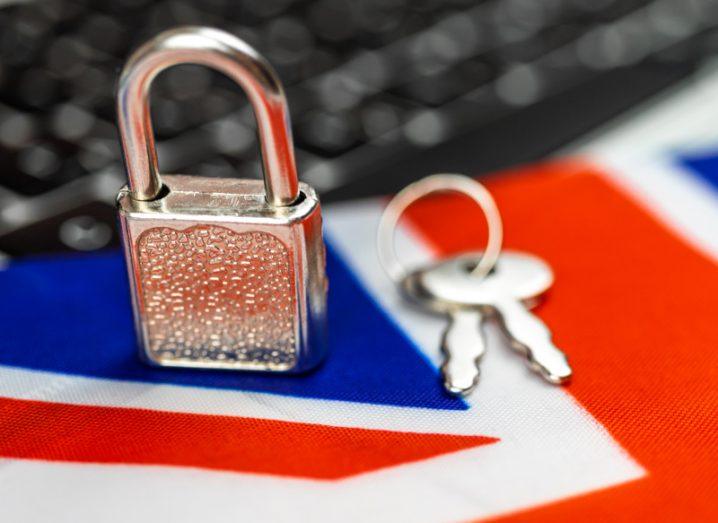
(368, 83)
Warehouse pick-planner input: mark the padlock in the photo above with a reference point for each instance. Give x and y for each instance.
(224, 273)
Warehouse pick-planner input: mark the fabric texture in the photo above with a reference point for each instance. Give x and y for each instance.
(370, 435)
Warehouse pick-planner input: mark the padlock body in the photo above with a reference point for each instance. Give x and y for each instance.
(221, 279)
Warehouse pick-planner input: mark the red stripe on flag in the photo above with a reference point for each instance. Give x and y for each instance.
(634, 307)
(64, 432)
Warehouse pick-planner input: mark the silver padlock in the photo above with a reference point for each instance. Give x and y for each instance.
(224, 273)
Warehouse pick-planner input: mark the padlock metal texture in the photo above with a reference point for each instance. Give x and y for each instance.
(224, 273)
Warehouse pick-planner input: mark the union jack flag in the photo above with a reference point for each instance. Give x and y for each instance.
(629, 224)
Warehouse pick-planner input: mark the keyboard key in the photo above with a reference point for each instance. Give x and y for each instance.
(37, 88)
(288, 43)
(68, 57)
(231, 137)
(17, 129)
(266, 8)
(520, 85)
(379, 118)
(327, 133)
(85, 233)
(39, 161)
(332, 20)
(97, 153)
(71, 123)
(426, 128)
(88, 226)
(438, 88)
(104, 33)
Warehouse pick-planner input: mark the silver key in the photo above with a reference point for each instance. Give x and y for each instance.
(515, 284)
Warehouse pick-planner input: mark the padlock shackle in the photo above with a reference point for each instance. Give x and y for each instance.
(240, 62)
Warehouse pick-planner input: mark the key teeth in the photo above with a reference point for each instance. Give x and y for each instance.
(456, 390)
(452, 387)
(462, 345)
(556, 378)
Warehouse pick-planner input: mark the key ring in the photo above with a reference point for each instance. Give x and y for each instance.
(386, 248)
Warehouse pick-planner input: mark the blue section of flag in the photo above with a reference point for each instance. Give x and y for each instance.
(72, 315)
(704, 165)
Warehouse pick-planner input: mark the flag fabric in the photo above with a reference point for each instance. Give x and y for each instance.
(629, 223)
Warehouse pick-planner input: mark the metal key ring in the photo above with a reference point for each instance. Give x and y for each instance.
(435, 183)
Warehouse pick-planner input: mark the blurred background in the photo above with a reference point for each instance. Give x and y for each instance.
(381, 92)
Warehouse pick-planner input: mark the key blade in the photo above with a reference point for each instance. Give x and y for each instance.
(463, 346)
(530, 336)
(551, 363)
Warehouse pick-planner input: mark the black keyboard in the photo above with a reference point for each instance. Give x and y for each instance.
(381, 92)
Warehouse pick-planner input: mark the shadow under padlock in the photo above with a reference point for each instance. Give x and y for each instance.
(225, 273)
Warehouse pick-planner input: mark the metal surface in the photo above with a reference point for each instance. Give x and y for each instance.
(240, 62)
(221, 279)
(462, 345)
(438, 183)
(225, 273)
(516, 282)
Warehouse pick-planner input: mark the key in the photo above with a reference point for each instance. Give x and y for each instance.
(462, 346)
(515, 284)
